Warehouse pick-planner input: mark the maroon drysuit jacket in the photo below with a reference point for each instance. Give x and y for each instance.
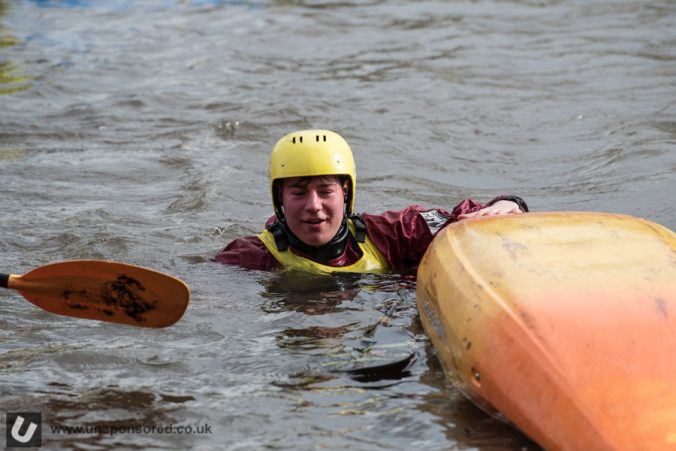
(401, 236)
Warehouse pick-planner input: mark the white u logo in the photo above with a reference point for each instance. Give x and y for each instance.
(25, 437)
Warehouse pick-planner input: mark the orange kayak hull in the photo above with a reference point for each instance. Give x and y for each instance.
(562, 323)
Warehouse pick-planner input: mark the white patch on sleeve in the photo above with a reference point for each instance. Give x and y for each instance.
(434, 219)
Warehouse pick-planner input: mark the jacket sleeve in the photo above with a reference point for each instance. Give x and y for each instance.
(404, 236)
(248, 252)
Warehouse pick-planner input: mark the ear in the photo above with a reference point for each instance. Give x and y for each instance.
(346, 189)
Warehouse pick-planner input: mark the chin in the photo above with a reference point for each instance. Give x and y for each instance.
(316, 243)
(315, 240)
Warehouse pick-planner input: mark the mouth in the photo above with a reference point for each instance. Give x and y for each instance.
(314, 221)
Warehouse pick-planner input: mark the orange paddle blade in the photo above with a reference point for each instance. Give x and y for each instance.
(105, 291)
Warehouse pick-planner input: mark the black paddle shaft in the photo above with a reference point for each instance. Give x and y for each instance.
(4, 279)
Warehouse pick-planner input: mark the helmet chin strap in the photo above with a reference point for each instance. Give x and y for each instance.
(325, 252)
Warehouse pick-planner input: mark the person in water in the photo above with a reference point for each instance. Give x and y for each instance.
(314, 228)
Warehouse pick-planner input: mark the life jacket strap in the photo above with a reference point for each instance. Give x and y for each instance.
(359, 228)
(281, 240)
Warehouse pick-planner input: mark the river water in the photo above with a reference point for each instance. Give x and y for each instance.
(140, 132)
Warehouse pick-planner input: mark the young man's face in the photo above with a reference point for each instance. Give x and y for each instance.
(313, 207)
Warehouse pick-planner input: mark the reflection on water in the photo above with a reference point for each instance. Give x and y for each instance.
(341, 326)
(8, 75)
(95, 413)
(360, 334)
(11, 80)
(308, 293)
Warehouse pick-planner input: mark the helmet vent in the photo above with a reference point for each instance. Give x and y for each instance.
(300, 139)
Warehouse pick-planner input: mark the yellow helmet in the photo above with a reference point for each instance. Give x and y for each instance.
(309, 153)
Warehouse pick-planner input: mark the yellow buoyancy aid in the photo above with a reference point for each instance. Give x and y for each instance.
(371, 261)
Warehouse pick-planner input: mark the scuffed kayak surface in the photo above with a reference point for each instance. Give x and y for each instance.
(565, 323)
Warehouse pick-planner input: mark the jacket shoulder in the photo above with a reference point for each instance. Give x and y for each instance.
(248, 252)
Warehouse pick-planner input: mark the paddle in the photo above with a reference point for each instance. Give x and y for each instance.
(385, 353)
(374, 363)
(104, 291)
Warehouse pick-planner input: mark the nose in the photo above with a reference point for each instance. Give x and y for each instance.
(312, 201)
